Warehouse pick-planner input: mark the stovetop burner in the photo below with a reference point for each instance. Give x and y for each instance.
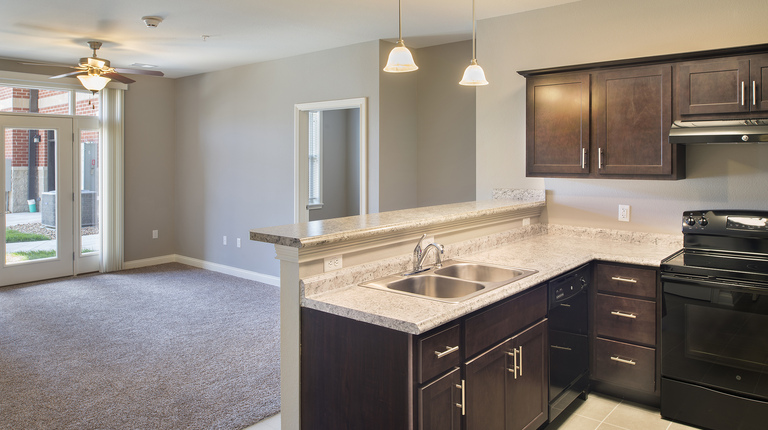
(722, 244)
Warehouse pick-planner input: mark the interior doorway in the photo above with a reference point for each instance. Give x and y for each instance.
(330, 147)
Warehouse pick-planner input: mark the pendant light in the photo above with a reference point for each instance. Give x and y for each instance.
(473, 75)
(400, 59)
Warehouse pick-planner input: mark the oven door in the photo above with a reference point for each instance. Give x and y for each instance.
(715, 334)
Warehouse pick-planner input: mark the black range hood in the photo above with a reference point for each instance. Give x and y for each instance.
(730, 131)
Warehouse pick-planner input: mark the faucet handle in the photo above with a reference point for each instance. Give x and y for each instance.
(417, 253)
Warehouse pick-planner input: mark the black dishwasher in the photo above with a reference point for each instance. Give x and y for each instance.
(568, 342)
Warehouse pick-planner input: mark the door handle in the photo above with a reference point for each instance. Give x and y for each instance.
(463, 401)
(742, 93)
(583, 158)
(621, 279)
(515, 367)
(754, 93)
(564, 348)
(599, 158)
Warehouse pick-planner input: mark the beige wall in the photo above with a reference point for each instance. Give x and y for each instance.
(446, 128)
(602, 30)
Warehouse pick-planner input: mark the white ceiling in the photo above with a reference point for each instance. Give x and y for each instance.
(241, 31)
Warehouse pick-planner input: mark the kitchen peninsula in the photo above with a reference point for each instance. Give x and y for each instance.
(506, 231)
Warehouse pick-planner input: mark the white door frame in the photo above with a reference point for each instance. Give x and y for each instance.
(63, 263)
(301, 151)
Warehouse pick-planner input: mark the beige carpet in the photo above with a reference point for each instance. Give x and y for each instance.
(164, 347)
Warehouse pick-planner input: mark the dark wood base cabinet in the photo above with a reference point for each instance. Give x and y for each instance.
(487, 370)
(507, 385)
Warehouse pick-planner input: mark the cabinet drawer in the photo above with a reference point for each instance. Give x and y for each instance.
(626, 365)
(438, 352)
(633, 281)
(503, 320)
(626, 319)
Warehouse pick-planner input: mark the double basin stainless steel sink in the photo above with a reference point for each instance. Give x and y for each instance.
(454, 282)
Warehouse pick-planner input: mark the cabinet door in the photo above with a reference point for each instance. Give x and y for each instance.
(713, 86)
(527, 399)
(633, 113)
(485, 389)
(557, 125)
(440, 403)
(759, 75)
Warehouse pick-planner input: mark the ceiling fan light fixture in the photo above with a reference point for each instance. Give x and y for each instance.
(400, 60)
(93, 82)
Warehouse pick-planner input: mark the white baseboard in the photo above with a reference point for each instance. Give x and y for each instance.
(221, 268)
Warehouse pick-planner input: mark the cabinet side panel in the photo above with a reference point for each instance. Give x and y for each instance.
(354, 375)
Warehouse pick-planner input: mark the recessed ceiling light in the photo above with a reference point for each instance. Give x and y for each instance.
(144, 66)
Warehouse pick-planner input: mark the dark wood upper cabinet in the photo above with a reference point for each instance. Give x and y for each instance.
(759, 75)
(709, 89)
(632, 114)
(557, 125)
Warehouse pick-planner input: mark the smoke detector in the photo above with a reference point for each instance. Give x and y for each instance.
(152, 21)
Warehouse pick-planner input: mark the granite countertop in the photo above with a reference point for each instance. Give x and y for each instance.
(551, 254)
(316, 233)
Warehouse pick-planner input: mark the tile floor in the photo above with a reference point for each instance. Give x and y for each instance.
(271, 423)
(601, 412)
(598, 412)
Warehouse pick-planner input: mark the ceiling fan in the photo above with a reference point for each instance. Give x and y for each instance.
(95, 73)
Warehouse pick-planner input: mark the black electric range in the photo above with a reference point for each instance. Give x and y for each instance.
(714, 364)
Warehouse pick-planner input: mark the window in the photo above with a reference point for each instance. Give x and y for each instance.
(315, 160)
(48, 101)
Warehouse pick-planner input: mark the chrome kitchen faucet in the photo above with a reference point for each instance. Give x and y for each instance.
(419, 255)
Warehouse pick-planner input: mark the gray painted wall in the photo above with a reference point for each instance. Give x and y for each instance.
(446, 128)
(234, 147)
(601, 30)
(353, 163)
(150, 166)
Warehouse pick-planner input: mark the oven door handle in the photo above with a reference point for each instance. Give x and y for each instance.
(724, 284)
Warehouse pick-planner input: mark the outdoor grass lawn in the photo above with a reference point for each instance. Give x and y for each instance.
(14, 236)
(13, 257)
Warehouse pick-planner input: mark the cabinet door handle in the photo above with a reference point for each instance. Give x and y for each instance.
(621, 279)
(521, 360)
(448, 350)
(623, 314)
(515, 367)
(564, 348)
(622, 360)
(583, 158)
(599, 158)
(742, 93)
(463, 402)
(754, 93)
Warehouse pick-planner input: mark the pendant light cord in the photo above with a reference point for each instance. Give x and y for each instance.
(400, 20)
(474, 56)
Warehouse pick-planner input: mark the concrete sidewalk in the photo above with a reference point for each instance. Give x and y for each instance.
(89, 242)
(22, 218)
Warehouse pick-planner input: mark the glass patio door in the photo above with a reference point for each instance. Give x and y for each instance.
(38, 238)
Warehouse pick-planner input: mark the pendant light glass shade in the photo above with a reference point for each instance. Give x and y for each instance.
(474, 75)
(94, 83)
(400, 59)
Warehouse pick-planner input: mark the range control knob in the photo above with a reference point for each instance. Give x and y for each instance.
(703, 221)
(690, 221)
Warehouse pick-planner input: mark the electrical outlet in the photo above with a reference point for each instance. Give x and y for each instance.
(238, 242)
(526, 221)
(154, 234)
(225, 240)
(624, 213)
(332, 263)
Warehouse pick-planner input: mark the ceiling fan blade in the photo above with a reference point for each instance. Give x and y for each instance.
(140, 72)
(48, 65)
(118, 77)
(79, 72)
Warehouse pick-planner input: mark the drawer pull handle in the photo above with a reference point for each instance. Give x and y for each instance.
(625, 361)
(622, 279)
(448, 350)
(623, 314)
(564, 348)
